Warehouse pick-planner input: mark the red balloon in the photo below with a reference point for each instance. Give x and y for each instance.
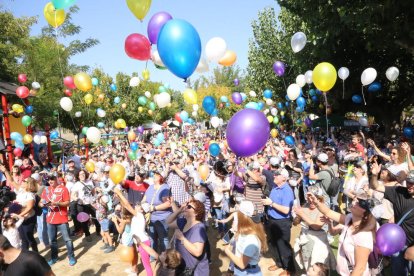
(69, 82)
(138, 46)
(17, 152)
(22, 78)
(177, 117)
(68, 93)
(22, 92)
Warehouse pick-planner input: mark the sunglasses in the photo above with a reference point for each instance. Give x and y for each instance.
(364, 204)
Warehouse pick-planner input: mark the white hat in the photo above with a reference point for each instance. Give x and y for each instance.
(200, 197)
(18, 162)
(247, 208)
(283, 172)
(274, 161)
(35, 176)
(323, 157)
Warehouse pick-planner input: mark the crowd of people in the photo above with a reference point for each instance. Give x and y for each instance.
(177, 201)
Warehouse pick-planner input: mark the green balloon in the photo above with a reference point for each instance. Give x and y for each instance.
(84, 130)
(132, 155)
(55, 113)
(109, 142)
(162, 89)
(152, 106)
(142, 100)
(276, 120)
(26, 120)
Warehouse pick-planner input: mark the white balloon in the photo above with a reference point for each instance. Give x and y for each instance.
(147, 94)
(308, 77)
(298, 42)
(269, 101)
(78, 114)
(155, 56)
(221, 121)
(101, 113)
(93, 134)
(195, 107)
(43, 139)
(252, 94)
(163, 99)
(66, 104)
(36, 139)
(215, 121)
(202, 66)
(134, 81)
(368, 76)
(215, 49)
(266, 111)
(343, 73)
(293, 91)
(392, 73)
(273, 111)
(363, 121)
(194, 113)
(301, 80)
(35, 85)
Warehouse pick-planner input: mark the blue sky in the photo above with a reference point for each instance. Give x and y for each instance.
(111, 22)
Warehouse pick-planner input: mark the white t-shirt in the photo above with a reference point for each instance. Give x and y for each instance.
(249, 245)
(12, 234)
(22, 197)
(84, 191)
(138, 227)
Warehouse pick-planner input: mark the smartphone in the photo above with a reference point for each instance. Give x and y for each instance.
(227, 237)
(263, 197)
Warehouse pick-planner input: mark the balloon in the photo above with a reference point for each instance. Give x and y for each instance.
(215, 121)
(68, 93)
(214, 149)
(280, 105)
(202, 66)
(203, 171)
(82, 217)
(243, 95)
(113, 87)
(308, 76)
(194, 113)
(27, 138)
(293, 91)
(62, 4)
(374, 87)
(101, 124)
(142, 100)
(343, 73)
(17, 152)
(131, 135)
(22, 78)
(298, 42)
(160, 137)
(301, 80)
(132, 155)
(324, 76)
(145, 74)
(224, 99)
(252, 94)
(163, 99)
(139, 8)
(90, 166)
(121, 123)
(95, 81)
(151, 106)
(368, 76)
(177, 117)
(236, 98)
(88, 98)
(228, 59)
(276, 120)
(269, 101)
(16, 136)
(134, 146)
(69, 82)
(408, 132)
(247, 132)
(267, 93)
(184, 116)
(270, 118)
(190, 96)
(155, 24)
(363, 121)
(215, 49)
(279, 68)
(36, 139)
(117, 100)
(101, 113)
(260, 105)
(147, 94)
(84, 130)
(55, 17)
(314, 98)
(162, 89)
(290, 140)
(390, 239)
(179, 46)
(273, 111)
(392, 73)
(78, 114)
(140, 129)
(93, 134)
(301, 102)
(35, 85)
(299, 109)
(236, 82)
(252, 105)
(209, 104)
(138, 47)
(54, 135)
(134, 81)
(357, 99)
(83, 82)
(22, 92)
(308, 122)
(66, 104)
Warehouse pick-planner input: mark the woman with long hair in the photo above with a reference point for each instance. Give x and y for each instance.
(357, 183)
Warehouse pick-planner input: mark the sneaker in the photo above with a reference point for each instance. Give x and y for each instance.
(88, 238)
(109, 249)
(52, 261)
(104, 247)
(72, 261)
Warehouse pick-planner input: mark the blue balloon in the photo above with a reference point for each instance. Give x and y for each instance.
(280, 105)
(287, 98)
(267, 93)
(252, 105)
(301, 102)
(29, 109)
(286, 104)
(299, 109)
(260, 105)
(215, 112)
(357, 99)
(117, 100)
(315, 98)
(243, 95)
(179, 46)
(134, 146)
(19, 144)
(209, 104)
(290, 140)
(408, 132)
(113, 87)
(318, 92)
(54, 134)
(374, 87)
(157, 143)
(101, 125)
(312, 92)
(190, 121)
(184, 115)
(298, 121)
(16, 136)
(95, 81)
(224, 99)
(227, 104)
(214, 149)
(160, 137)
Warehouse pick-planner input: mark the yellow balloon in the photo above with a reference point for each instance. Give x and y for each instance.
(203, 172)
(131, 135)
(27, 139)
(190, 96)
(270, 118)
(83, 82)
(88, 98)
(145, 74)
(274, 133)
(324, 76)
(121, 123)
(150, 112)
(17, 108)
(282, 113)
(54, 17)
(139, 8)
(117, 173)
(140, 109)
(228, 59)
(90, 166)
(116, 124)
(123, 105)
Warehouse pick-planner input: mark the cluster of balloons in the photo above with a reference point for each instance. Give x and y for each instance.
(22, 91)
(216, 51)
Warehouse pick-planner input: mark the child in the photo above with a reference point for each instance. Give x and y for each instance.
(10, 226)
(102, 216)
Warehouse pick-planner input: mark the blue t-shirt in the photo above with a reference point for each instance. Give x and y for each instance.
(282, 195)
(163, 191)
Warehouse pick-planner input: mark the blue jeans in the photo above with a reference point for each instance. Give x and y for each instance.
(42, 229)
(219, 214)
(64, 230)
(158, 231)
(250, 271)
(399, 265)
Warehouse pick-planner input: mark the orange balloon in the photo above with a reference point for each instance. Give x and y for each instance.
(131, 135)
(90, 166)
(204, 171)
(101, 97)
(126, 253)
(229, 58)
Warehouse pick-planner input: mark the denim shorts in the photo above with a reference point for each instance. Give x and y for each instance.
(104, 225)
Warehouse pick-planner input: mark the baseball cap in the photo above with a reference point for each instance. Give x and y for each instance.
(323, 157)
(70, 160)
(247, 208)
(283, 172)
(274, 161)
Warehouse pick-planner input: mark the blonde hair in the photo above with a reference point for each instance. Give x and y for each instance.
(246, 226)
(31, 185)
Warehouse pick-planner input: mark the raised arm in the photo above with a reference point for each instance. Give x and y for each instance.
(335, 216)
(374, 184)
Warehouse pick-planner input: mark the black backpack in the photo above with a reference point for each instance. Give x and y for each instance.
(334, 186)
(38, 210)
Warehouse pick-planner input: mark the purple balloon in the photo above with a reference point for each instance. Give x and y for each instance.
(279, 68)
(308, 122)
(155, 24)
(390, 239)
(236, 82)
(237, 98)
(247, 132)
(140, 129)
(82, 217)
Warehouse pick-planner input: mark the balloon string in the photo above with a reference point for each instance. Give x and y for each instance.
(57, 47)
(343, 89)
(363, 96)
(326, 113)
(284, 83)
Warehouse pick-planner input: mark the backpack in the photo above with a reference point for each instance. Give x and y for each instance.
(38, 210)
(335, 184)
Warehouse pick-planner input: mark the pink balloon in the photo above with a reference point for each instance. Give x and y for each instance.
(138, 46)
(22, 92)
(17, 152)
(69, 83)
(82, 217)
(22, 78)
(68, 92)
